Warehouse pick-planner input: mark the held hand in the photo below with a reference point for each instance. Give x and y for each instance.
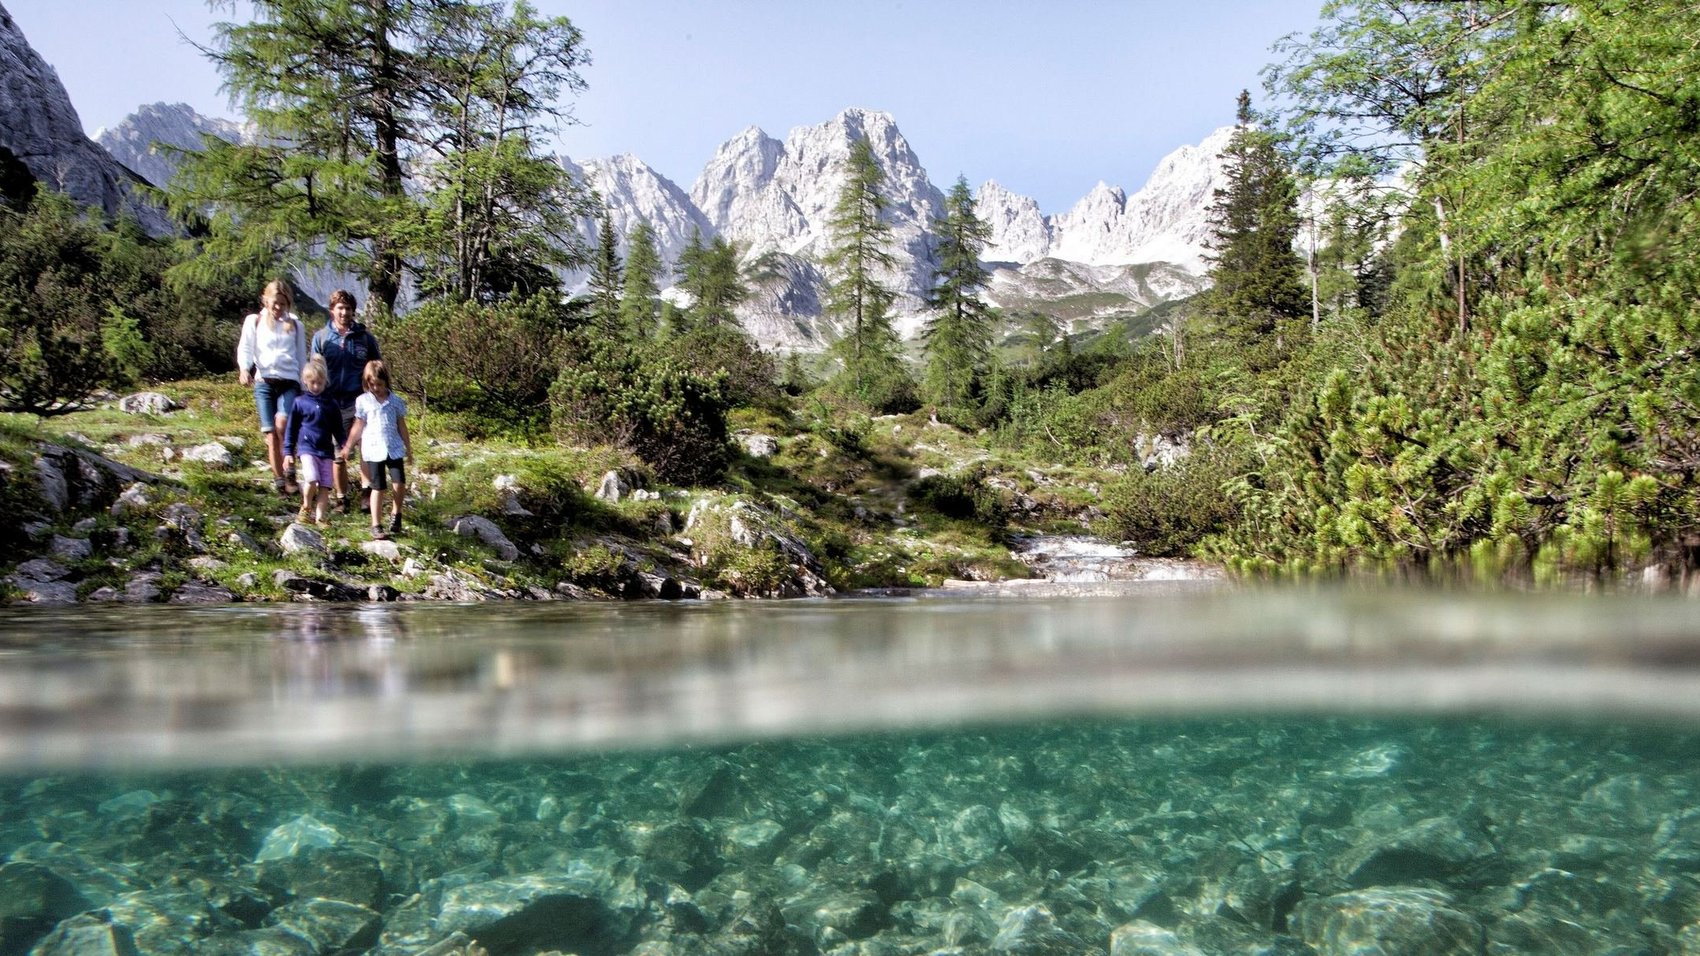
(243, 377)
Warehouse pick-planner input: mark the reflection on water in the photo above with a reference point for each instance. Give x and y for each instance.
(233, 685)
(1175, 772)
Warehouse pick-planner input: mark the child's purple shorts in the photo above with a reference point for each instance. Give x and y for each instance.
(317, 470)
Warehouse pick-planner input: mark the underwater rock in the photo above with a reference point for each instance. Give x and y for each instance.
(833, 915)
(1140, 938)
(271, 941)
(332, 926)
(1226, 937)
(975, 834)
(1033, 931)
(679, 850)
(1436, 848)
(98, 881)
(534, 913)
(88, 934)
(330, 873)
(33, 899)
(474, 526)
(170, 922)
(295, 836)
(1388, 921)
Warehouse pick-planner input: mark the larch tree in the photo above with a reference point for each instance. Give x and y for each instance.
(605, 279)
(872, 365)
(958, 335)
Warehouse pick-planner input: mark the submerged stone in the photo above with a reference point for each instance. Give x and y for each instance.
(1436, 848)
(301, 833)
(331, 873)
(33, 899)
(1033, 931)
(1389, 921)
(170, 922)
(534, 913)
(1140, 938)
(88, 934)
(333, 926)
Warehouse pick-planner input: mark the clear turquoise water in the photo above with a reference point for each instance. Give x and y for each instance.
(1180, 772)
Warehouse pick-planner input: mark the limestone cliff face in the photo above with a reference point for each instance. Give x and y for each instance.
(40, 127)
(145, 140)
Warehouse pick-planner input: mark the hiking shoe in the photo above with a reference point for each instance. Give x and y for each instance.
(340, 506)
(379, 534)
(278, 486)
(304, 516)
(395, 524)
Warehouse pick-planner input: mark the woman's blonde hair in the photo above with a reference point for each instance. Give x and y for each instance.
(314, 375)
(278, 289)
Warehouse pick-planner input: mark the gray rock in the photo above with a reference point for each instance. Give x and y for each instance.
(1388, 921)
(32, 899)
(88, 934)
(133, 498)
(333, 926)
(105, 595)
(833, 914)
(508, 492)
(1435, 848)
(39, 569)
(975, 834)
(288, 839)
(146, 439)
(245, 541)
(207, 563)
(170, 922)
(212, 454)
(473, 526)
(759, 446)
(613, 487)
(71, 549)
(144, 588)
(534, 913)
(46, 592)
(303, 539)
(72, 477)
(86, 526)
(147, 403)
(202, 592)
(388, 550)
(249, 580)
(1033, 931)
(1140, 938)
(271, 941)
(324, 872)
(652, 585)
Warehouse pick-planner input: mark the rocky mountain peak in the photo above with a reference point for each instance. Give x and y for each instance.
(41, 129)
(144, 141)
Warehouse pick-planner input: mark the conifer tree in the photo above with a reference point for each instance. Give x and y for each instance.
(958, 336)
(350, 100)
(1254, 223)
(605, 282)
(640, 298)
(871, 355)
(711, 273)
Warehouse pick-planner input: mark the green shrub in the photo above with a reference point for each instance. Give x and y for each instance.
(637, 398)
(964, 497)
(496, 360)
(1167, 512)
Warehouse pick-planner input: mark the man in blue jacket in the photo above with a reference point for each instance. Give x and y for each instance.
(346, 346)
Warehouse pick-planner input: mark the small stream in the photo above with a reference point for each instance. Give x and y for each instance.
(1078, 559)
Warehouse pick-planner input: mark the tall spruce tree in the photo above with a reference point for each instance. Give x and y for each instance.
(389, 132)
(1254, 222)
(958, 336)
(640, 297)
(605, 281)
(873, 369)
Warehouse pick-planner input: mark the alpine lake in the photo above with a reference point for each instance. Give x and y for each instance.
(1160, 769)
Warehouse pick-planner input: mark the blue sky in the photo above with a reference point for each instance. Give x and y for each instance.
(1046, 96)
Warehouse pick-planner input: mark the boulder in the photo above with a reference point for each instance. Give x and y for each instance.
(387, 550)
(298, 538)
(290, 838)
(1033, 931)
(759, 446)
(332, 926)
(1388, 921)
(536, 912)
(144, 588)
(329, 872)
(508, 492)
(147, 403)
(1435, 848)
(613, 487)
(88, 934)
(71, 549)
(75, 478)
(32, 899)
(133, 498)
(201, 592)
(42, 582)
(212, 454)
(1140, 938)
(473, 526)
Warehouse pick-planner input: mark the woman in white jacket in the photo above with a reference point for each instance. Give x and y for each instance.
(270, 356)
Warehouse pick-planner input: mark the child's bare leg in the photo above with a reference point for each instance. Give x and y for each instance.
(322, 501)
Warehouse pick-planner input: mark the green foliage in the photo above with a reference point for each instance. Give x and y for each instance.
(641, 399)
(711, 273)
(640, 302)
(958, 336)
(605, 278)
(347, 98)
(497, 360)
(1168, 511)
(964, 497)
(872, 369)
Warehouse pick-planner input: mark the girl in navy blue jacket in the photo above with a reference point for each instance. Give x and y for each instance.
(314, 434)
